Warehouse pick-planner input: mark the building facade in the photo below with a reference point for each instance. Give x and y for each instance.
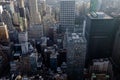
(99, 33)
(35, 17)
(67, 15)
(76, 51)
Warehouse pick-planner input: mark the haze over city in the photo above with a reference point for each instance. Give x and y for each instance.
(59, 39)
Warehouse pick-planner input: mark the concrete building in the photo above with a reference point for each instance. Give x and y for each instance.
(101, 69)
(7, 19)
(15, 19)
(42, 7)
(48, 10)
(116, 54)
(4, 37)
(76, 51)
(22, 13)
(1, 9)
(21, 3)
(99, 32)
(35, 32)
(48, 22)
(67, 15)
(23, 40)
(35, 16)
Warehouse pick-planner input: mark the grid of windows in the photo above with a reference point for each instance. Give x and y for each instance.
(67, 14)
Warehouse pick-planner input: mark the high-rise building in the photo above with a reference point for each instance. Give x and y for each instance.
(7, 19)
(116, 53)
(35, 17)
(23, 40)
(42, 7)
(76, 50)
(21, 3)
(9, 6)
(22, 8)
(67, 15)
(4, 37)
(99, 32)
(1, 9)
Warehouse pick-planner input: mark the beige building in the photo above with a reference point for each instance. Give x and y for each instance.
(35, 17)
(42, 7)
(4, 37)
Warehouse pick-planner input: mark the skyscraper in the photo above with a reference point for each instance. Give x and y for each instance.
(21, 3)
(42, 7)
(67, 15)
(99, 33)
(4, 37)
(6, 18)
(116, 52)
(35, 17)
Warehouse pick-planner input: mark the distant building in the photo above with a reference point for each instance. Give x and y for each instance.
(21, 3)
(76, 51)
(67, 15)
(7, 19)
(35, 17)
(99, 32)
(48, 10)
(42, 7)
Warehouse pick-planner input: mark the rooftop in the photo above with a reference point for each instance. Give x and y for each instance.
(99, 15)
(76, 37)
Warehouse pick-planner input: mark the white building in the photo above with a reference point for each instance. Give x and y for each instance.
(1, 9)
(67, 14)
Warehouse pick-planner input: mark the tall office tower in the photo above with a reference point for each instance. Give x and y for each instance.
(1, 9)
(99, 32)
(22, 11)
(23, 40)
(42, 7)
(4, 37)
(21, 3)
(76, 51)
(22, 8)
(116, 53)
(34, 13)
(67, 15)
(7, 19)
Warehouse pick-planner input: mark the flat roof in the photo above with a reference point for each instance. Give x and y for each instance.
(99, 15)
